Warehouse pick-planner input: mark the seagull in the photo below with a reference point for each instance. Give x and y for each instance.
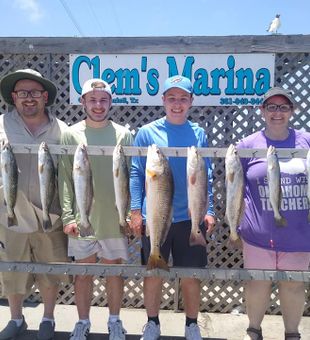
(274, 25)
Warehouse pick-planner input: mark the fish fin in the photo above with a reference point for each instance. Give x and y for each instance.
(147, 231)
(116, 172)
(197, 239)
(231, 177)
(41, 168)
(12, 220)
(281, 222)
(192, 179)
(150, 173)
(47, 223)
(156, 261)
(234, 236)
(86, 230)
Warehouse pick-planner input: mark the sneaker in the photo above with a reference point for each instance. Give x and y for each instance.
(151, 331)
(116, 330)
(81, 331)
(192, 332)
(46, 330)
(11, 331)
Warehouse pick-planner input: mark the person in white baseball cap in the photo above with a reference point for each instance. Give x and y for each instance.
(107, 242)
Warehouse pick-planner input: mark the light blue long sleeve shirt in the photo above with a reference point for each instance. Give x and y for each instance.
(164, 134)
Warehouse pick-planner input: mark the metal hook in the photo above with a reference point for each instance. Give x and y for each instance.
(293, 153)
(28, 148)
(64, 150)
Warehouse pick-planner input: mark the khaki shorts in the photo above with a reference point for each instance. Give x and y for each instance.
(31, 247)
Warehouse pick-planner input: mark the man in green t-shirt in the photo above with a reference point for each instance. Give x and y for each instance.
(108, 244)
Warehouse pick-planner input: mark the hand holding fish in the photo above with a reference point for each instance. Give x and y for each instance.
(135, 223)
(209, 222)
(71, 229)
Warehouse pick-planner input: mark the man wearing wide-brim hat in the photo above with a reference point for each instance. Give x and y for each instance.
(25, 235)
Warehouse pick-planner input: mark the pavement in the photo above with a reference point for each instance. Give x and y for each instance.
(214, 326)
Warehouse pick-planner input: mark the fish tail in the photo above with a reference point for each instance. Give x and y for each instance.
(47, 223)
(86, 230)
(281, 221)
(125, 229)
(196, 238)
(233, 235)
(156, 261)
(12, 220)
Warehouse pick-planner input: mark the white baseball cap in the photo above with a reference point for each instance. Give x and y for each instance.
(96, 84)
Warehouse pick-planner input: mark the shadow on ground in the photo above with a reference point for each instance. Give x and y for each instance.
(31, 335)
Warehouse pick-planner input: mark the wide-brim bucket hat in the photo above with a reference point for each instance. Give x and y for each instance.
(7, 84)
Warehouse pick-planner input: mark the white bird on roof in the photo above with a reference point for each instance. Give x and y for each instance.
(274, 25)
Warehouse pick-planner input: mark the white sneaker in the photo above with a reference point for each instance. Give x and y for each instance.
(192, 332)
(116, 330)
(151, 331)
(81, 331)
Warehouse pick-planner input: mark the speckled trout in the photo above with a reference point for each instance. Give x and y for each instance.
(9, 172)
(197, 192)
(121, 187)
(47, 181)
(274, 184)
(159, 194)
(83, 188)
(234, 182)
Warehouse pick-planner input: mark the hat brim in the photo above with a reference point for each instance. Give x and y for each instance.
(177, 87)
(8, 82)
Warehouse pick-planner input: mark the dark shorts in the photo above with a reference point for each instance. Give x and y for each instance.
(177, 242)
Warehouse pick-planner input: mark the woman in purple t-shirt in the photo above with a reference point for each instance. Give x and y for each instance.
(265, 244)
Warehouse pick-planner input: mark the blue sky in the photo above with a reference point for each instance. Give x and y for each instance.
(121, 18)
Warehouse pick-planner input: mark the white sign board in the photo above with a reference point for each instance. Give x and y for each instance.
(137, 79)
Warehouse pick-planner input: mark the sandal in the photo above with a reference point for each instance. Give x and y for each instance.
(255, 331)
(292, 335)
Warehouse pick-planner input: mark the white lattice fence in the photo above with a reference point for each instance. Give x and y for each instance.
(223, 125)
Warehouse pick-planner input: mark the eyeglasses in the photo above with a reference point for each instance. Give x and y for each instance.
(281, 107)
(32, 93)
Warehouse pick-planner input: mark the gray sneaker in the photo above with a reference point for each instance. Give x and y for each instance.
(11, 331)
(192, 332)
(151, 331)
(81, 331)
(116, 330)
(46, 330)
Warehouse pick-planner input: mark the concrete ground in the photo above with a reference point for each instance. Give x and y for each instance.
(215, 326)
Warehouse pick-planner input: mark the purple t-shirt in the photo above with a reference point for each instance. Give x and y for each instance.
(258, 225)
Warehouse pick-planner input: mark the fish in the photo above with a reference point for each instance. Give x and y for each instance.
(121, 187)
(197, 192)
(9, 172)
(47, 182)
(159, 196)
(274, 185)
(234, 182)
(83, 188)
(308, 179)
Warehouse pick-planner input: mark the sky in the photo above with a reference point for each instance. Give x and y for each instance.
(130, 18)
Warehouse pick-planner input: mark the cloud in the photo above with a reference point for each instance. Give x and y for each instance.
(31, 9)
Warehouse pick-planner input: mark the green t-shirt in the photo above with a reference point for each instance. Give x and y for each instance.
(104, 216)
